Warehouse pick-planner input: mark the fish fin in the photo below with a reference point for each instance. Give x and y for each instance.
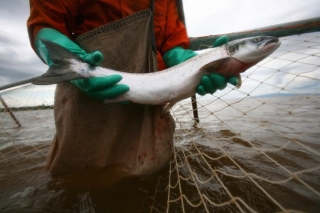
(166, 108)
(116, 100)
(60, 70)
(122, 99)
(215, 66)
(239, 81)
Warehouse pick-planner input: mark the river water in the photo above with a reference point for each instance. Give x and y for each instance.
(251, 154)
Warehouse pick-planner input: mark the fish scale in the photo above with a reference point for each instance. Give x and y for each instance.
(169, 86)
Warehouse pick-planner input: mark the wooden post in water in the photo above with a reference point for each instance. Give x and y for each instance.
(193, 98)
(8, 110)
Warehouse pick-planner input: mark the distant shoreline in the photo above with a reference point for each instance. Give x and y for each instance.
(15, 109)
(42, 107)
(282, 95)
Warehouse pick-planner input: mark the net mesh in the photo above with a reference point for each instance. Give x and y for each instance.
(256, 149)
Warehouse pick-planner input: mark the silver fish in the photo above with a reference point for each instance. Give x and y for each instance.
(169, 86)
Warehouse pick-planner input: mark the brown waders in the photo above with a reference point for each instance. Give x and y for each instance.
(130, 139)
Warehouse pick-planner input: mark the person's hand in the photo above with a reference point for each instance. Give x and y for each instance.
(209, 83)
(100, 87)
(177, 55)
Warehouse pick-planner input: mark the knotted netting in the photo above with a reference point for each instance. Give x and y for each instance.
(255, 149)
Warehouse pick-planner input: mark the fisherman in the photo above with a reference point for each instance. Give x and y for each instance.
(127, 138)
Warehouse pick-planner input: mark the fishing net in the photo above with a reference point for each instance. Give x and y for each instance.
(255, 149)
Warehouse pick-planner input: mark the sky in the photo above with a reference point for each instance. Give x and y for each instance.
(203, 17)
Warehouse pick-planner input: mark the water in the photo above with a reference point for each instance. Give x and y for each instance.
(259, 154)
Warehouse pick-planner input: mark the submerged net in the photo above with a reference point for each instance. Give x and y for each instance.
(256, 149)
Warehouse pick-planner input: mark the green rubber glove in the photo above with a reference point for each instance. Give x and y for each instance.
(210, 83)
(177, 55)
(100, 88)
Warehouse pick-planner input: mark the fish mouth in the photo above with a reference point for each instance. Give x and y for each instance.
(270, 42)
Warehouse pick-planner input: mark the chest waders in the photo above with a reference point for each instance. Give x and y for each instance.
(129, 139)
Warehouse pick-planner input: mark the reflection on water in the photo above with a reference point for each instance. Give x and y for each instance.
(33, 191)
(262, 160)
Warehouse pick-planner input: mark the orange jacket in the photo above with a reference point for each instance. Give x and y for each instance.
(74, 17)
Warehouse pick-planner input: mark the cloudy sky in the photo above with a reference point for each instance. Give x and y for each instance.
(204, 17)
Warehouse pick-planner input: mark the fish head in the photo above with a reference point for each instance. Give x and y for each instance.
(254, 49)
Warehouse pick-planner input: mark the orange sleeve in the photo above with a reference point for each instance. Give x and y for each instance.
(74, 17)
(57, 14)
(169, 30)
(175, 33)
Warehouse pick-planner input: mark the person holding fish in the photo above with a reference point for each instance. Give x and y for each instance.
(128, 138)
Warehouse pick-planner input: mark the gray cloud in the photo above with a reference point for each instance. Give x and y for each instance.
(17, 59)
(17, 9)
(220, 17)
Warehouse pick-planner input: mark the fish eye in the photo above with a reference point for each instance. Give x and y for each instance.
(258, 39)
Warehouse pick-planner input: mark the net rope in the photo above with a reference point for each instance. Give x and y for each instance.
(256, 149)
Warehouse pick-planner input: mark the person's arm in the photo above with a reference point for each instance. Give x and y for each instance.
(175, 51)
(54, 21)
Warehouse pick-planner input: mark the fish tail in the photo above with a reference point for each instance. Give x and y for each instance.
(61, 69)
